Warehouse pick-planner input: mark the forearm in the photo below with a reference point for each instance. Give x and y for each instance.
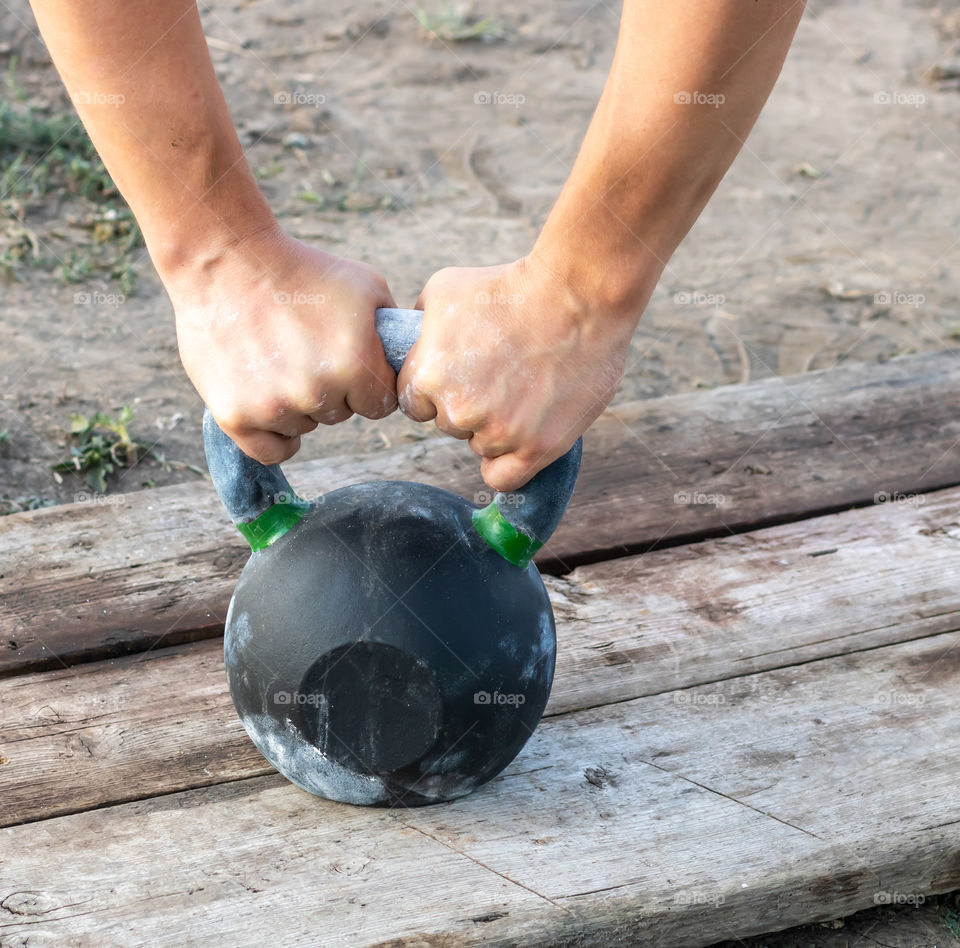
(651, 160)
(141, 79)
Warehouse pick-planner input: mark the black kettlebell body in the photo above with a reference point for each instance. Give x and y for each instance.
(388, 644)
(399, 660)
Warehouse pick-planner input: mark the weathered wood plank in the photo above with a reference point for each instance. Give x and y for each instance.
(673, 820)
(162, 721)
(87, 581)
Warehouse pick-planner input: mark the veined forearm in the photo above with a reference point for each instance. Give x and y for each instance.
(687, 83)
(141, 79)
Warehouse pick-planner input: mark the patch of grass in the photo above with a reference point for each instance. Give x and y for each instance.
(42, 153)
(99, 445)
(456, 24)
(48, 165)
(11, 505)
(950, 918)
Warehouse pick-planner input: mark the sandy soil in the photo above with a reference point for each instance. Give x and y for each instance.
(783, 273)
(834, 236)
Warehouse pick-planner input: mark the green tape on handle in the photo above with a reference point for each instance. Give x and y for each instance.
(273, 523)
(513, 545)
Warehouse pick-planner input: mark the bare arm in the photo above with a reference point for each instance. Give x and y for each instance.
(276, 336)
(549, 333)
(687, 84)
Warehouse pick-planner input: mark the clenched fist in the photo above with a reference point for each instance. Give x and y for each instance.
(278, 337)
(509, 359)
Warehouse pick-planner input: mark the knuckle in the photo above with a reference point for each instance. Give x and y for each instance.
(458, 416)
(450, 428)
(272, 452)
(333, 416)
(385, 405)
(273, 408)
(230, 419)
(428, 380)
(410, 391)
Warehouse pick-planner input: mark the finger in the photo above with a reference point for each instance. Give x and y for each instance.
(332, 414)
(413, 402)
(267, 447)
(444, 424)
(484, 450)
(375, 393)
(512, 471)
(292, 425)
(378, 396)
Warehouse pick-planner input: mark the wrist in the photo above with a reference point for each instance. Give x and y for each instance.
(615, 279)
(197, 239)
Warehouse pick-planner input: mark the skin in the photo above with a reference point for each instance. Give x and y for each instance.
(520, 358)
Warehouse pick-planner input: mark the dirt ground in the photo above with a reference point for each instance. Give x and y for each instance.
(835, 236)
(933, 924)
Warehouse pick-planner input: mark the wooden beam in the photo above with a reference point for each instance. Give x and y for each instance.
(678, 819)
(88, 581)
(162, 721)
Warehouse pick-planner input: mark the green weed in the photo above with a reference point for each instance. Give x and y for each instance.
(455, 24)
(99, 445)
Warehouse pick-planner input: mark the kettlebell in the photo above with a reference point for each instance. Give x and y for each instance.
(388, 643)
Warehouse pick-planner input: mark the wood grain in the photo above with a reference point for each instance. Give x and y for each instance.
(679, 819)
(162, 721)
(88, 581)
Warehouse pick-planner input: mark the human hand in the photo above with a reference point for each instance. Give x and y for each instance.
(278, 337)
(509, 358)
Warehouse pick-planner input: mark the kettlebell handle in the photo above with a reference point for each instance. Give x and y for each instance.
(264, 507)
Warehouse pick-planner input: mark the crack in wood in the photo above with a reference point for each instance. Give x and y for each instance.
(483, 865)
(606, 888)
(726, 796)
(829, 638)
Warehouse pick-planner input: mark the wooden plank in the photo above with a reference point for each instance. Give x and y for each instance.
(678, 819)
(87, 581)
(162, 721)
